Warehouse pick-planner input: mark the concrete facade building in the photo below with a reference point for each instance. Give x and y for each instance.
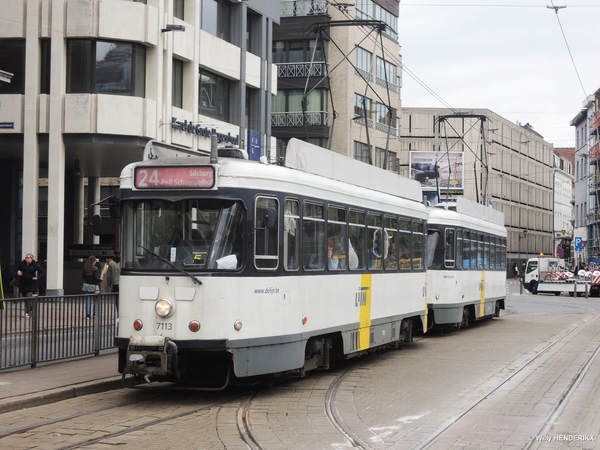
(488, 159)
(339, 79)
(94, 80)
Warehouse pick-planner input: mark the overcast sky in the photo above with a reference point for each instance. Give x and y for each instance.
(507, 56)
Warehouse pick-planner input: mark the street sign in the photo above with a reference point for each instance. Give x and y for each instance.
(578, 243)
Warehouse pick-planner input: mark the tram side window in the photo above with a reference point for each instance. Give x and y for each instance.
(404, 244)
(503, 253)
(266, 243)
(492, 252)
(449, 249)
(459, 247)
(473, 250)
(337, 238)
(291, 234)
(418, 245)
(466, 250)
(434, 249)
(390, 227)
(356, 219)
(377, 242)
(313, 234)
(479, 251)
(486, 251)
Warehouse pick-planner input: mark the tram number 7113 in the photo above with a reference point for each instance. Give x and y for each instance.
(164, 326)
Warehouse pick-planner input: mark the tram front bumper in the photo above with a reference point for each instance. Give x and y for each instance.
(147, 355)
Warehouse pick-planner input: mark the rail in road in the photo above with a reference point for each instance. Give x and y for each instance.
(537, 382)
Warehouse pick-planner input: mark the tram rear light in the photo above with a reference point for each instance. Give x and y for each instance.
(164, 307)
(237, 325)
(304, 320)
(194, 326)
(138, 325)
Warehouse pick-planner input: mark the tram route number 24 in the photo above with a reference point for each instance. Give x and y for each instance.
(164, 326)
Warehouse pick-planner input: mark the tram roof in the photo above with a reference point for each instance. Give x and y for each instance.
(319, 161)
(468, 213)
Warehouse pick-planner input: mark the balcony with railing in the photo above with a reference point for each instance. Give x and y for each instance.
(304, 8)
(366, 75)
(389, 85)
(385, 128)
(595, 121)
(302, 69)
(298, 119)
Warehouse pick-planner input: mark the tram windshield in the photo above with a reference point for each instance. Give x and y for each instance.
(187, 234)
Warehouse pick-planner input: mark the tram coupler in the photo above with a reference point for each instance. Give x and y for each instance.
(148, 355)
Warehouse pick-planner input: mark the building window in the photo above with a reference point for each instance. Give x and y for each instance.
(215, 18)
(364, 60)
(391, 159)
(214, 96)
(361, 152)
(12, 60)
(45, 66)
(287, 108)
(384, 115)
(178, 10)
(369, 10)
(297, 51)
(101, 67)
(387, 72)
(362, 103)
(177, 93)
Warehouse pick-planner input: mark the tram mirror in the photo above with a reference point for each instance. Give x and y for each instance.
(96, 224)
(270, 218)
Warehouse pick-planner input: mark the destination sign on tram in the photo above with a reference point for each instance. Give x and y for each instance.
(187, 177)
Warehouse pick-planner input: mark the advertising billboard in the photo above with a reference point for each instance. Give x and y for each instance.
(437, 171)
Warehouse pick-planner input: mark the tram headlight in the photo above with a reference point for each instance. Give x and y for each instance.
(237, 325)
(164, 307)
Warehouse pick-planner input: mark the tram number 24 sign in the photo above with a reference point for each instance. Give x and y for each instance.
(174, 177)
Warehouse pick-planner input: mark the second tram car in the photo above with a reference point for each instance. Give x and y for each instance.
(233, 267)
(466, 263)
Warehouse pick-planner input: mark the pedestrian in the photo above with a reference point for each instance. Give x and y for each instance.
(516, 269)
(29, 273)
(91, 282)
(113, 274)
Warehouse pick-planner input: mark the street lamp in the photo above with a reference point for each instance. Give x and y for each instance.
(522, 235)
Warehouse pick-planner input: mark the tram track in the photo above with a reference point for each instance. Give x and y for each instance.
(100, 414)
(552, 415)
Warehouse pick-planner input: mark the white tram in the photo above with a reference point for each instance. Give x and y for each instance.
(466, 263)
(232, 267)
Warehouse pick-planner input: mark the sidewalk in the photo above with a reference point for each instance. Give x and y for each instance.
(51, 382)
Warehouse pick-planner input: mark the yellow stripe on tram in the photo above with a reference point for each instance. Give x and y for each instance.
(364, 331)
(482, 295)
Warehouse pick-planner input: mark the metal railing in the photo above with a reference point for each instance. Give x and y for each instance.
(302, 69)
(55, 328)
(297, 119)
(304, 8)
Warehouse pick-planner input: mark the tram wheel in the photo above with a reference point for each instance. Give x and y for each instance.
(465, 319)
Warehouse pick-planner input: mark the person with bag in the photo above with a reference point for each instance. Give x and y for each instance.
(113, 274)
(91, 282)
(28, 273)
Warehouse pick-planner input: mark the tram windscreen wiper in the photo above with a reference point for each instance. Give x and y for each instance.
(166, 261)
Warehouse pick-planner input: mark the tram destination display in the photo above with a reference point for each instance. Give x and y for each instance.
(176, 177)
